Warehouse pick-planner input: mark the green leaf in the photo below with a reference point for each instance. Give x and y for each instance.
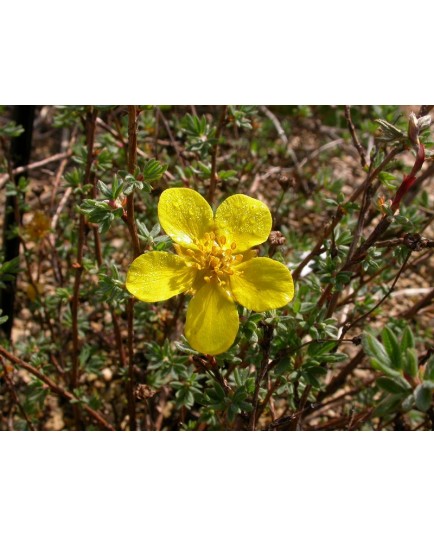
(394, 385)
(379, 365)
(233, 412)
(407, 339)
(283, 366)
(408, 403)
(184, 397)
(10, 267)
(153, 170)
(390, 133)
(387, 179)
(429, 370)
(411, 365)
(333, 358)
(388, 405)
(391, 345)
(155, 230)
(11, 130)
(428, 384)
(224, 175)
(105, 190)
(219, 391)
(318, 348)
(374, 348)
(423, 397)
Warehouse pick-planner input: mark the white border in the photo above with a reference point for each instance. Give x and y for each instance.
(215, 483)
(172, 52)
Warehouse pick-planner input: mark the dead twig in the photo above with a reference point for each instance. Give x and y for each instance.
(354, 137)
(276, 124)
(34, 165)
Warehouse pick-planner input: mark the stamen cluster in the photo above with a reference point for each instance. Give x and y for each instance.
(214, 257)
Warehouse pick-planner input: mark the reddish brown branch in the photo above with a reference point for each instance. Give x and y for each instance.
(90, 137)
(130, 381)
(131, 222)
(132, 160)
(55, 388)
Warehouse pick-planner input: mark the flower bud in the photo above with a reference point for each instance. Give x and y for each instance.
(413, 129)
(276, 238)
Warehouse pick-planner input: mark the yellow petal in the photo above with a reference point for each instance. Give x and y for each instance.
(157, 276)
(212, 320)
(243, 220)
(184, 215)
(262, 284)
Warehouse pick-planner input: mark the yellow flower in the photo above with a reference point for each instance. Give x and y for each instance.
(215, 263)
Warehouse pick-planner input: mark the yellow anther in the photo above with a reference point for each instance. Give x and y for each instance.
(213, 257)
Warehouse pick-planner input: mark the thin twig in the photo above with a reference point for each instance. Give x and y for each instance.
(172, 139)
(276, 124)
(59, 209)
(329, 145)
(354, 137)
(61, 167)
(34, 165)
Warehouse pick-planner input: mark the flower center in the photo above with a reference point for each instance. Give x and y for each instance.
(214, 257)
